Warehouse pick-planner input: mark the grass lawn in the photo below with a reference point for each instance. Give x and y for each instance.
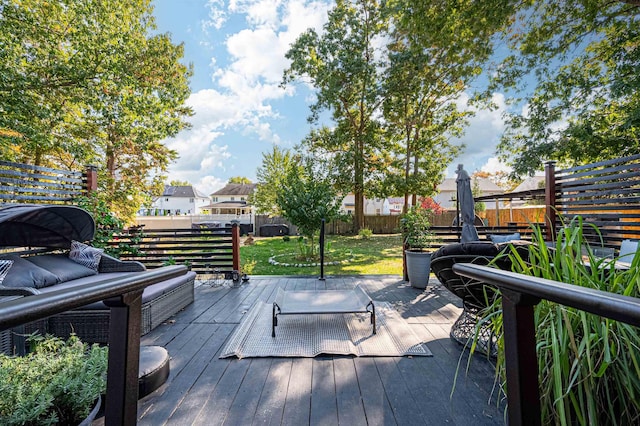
(380, 254)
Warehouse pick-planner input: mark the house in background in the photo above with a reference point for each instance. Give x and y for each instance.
(446, 198)
(447, 191)
(233, 199)
(529, 184)
(177, 200)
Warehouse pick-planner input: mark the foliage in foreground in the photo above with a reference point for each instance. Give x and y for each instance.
(58, 382)
(589, 367)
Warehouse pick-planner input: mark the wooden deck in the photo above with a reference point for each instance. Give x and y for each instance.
(326, 390)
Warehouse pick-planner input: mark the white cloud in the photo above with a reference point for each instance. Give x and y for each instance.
(244, 83)
(481, 135)
(494, 165)
(216, 16)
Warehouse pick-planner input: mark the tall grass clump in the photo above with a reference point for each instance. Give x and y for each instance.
(589, 366)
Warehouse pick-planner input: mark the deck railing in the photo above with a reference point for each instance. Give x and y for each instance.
(204, 250)
(520, 293)
(124, 297)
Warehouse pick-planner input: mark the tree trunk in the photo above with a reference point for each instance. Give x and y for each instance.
(358, 190)
(407, 171)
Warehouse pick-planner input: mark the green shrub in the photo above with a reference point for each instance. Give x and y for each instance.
(416, 228)
(588, 366)
(286, 238)
(58, 382)
(365, 233)
(109, 227)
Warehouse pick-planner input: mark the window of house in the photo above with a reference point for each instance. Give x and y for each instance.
(241, 198)
(233, 198)
(191, 200)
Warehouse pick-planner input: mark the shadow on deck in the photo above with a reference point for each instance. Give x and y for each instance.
(326, 390)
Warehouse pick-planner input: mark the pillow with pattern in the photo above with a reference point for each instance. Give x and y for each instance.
(85, 255)
(5, 264)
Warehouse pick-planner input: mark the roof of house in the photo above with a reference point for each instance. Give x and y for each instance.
(186, 191)
(486, 185)
(236, 189)
(533, 182)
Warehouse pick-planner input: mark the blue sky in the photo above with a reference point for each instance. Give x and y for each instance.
(237, 51)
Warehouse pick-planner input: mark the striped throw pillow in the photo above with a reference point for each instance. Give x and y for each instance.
(85, 255)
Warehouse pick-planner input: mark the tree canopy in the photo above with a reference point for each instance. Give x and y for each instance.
(391, 74)
(239, 179)
(88, 82)
(583, 58)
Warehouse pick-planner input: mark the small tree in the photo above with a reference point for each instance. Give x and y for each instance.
(271, 174)
(305, 200)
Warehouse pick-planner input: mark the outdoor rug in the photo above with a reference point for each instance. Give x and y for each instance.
(331, 334)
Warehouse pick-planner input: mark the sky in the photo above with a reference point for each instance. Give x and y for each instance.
(237, 50)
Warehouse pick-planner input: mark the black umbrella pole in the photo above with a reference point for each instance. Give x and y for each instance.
(322, 251)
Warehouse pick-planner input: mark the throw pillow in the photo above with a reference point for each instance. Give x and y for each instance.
(85, 255)
(26, 274)
(5, 264)
(504, 238)
(61, 266)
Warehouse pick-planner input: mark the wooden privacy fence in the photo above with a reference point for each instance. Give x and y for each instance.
(605, 194)
(205, 250)
(23, 183)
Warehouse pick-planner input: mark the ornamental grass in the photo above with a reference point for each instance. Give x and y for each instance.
(589, 366)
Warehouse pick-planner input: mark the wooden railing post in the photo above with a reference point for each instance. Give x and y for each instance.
(235, 242)
(124, 357)
(521, 361)
(550, 199)
(91, 176)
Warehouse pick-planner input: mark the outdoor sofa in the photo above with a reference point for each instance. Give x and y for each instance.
(42, 273)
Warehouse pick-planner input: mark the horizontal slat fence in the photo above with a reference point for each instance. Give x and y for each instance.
(24, 183)
(205, 250)
(605, 194)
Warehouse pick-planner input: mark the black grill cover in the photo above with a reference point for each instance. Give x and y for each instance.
(35, 225)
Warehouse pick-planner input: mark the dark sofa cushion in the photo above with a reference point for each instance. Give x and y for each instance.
(26, 274)
(61, 266)
(149, 293)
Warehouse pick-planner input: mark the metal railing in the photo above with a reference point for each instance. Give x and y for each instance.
(520, 293)
(124, 297)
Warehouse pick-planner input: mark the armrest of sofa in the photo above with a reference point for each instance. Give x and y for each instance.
(18, 291)
(111, 264)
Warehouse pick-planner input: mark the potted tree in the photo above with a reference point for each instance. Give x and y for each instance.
(58, 382)
(418, 241)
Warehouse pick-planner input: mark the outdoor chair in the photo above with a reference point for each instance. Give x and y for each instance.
(475, 295)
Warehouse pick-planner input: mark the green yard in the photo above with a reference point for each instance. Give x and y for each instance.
(380, 254)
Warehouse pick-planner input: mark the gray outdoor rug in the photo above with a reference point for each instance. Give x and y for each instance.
(331, 334)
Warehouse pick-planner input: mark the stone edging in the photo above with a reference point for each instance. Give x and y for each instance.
(273, 261)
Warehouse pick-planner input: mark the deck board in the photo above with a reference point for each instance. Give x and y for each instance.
(336, 390)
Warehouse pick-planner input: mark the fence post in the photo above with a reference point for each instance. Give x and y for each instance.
(322, 251)
(235, 243)
(550, 199)
(91, 178)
